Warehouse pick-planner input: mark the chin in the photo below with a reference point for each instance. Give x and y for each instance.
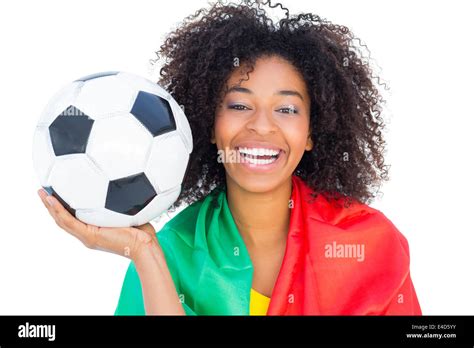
(258, 183)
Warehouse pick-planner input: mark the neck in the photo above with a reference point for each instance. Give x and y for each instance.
(262, 218)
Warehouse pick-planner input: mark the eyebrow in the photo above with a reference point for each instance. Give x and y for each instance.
(282, 92)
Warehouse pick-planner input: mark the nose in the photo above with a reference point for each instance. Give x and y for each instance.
(262, 122)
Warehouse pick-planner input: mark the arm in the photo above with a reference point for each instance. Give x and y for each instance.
(159, 293)
(405, 301)
(139, 244)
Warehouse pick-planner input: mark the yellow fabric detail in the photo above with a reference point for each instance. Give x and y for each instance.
(258, 303)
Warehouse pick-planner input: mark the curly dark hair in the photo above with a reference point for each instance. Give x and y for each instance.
(347, 159)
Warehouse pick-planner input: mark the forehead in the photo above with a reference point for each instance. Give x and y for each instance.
(269, 73)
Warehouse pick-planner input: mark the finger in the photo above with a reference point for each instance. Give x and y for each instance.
(63, 218)
(42, 195)
(47, 203)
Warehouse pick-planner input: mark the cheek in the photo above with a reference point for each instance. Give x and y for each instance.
(224, 129)
(296, 134)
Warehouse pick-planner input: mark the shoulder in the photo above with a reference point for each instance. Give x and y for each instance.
(180, 230)
(367, 224)
(359, 251)
(180, 227)
(357, 221)
(361, 240)
(333, 224)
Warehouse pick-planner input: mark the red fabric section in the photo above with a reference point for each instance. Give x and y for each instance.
(342, 261)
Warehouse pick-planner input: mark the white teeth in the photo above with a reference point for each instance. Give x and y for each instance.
(258, 151)
(260, 161)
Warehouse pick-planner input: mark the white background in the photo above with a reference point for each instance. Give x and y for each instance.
(424, 50)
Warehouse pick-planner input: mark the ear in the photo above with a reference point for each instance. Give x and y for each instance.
(309, 143)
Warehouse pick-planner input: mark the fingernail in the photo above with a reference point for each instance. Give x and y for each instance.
(50, 201)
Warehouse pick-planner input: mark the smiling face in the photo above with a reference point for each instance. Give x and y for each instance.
(263, 125)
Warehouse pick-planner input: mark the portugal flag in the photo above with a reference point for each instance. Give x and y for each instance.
(338, 261)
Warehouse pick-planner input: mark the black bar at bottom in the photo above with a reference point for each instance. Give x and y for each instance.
(136, 331)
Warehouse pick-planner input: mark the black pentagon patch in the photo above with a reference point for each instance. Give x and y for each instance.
(94, 76)
(154, 113)
(129, 195)
(70, 132)
(53, 193)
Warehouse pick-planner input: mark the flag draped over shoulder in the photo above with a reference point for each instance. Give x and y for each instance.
(338, 261)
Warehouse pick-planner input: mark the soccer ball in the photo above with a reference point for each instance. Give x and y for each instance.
(113, 148)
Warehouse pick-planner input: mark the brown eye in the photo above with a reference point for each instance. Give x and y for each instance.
(288, 110)
(237, 107)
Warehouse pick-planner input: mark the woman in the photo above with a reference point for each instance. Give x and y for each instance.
(287, 148)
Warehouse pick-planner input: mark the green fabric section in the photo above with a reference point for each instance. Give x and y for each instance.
(131, 300)
(207, 259)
